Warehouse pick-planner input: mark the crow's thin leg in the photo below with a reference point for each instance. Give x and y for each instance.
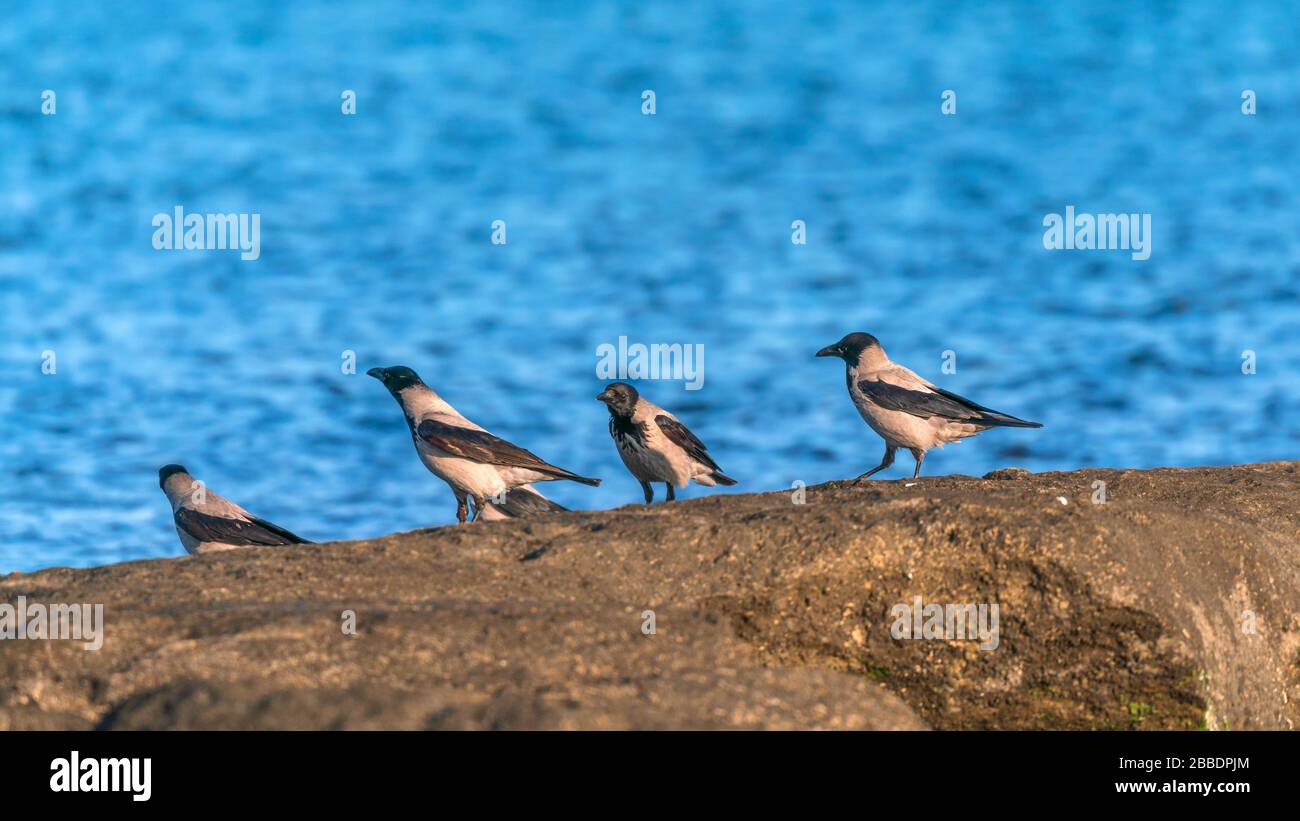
(671, 495)
(479, 503)
(649, 492)
(462, 509)
(884, 463)
(919, 455)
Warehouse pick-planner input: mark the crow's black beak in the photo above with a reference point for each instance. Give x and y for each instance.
(377, 373)
(829, 350)
(603, 397)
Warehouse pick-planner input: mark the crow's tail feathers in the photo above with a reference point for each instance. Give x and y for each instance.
(573, 477)
(1002, 420)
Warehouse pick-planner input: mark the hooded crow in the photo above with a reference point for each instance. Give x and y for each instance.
(475, 463)
(907, 411)
(655, 446)
(207, 522)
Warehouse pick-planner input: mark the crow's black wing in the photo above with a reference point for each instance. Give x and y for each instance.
(680, 436)
(279, 531)
(941, 403)
(919, 403)
(520, 503)
(990, 416)
(222, 530)
(481, 446)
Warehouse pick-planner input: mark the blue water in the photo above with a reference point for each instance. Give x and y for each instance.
(922, 228)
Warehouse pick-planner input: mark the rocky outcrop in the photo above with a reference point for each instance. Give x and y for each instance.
(1171, 604)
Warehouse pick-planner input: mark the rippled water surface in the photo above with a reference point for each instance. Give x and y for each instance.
(375, 238)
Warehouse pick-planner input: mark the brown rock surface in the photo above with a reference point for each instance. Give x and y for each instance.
(769, 614)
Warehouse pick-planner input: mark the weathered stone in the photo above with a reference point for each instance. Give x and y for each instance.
(1136, 612)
